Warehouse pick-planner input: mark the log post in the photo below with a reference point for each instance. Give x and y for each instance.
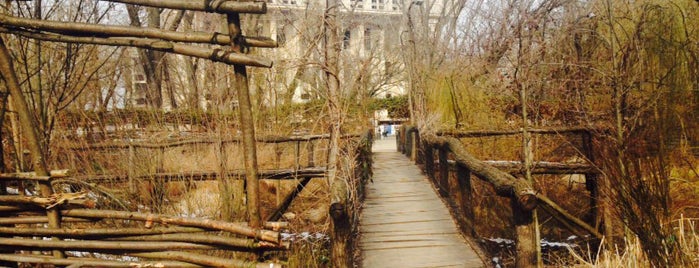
(414, 145)
(464, 196)
(399, 135)
(593, 217)
(246, 123)
(526, 255)
(311, 153)
(407, 142)
(130, 169)
(444, 171)
(297, 156)
(429, 160)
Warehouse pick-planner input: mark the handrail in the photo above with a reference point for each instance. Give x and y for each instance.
(504, 184)
(264, 139)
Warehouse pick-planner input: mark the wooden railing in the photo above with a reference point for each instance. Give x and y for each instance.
(88, 230)
(347, 194)
(453, 158)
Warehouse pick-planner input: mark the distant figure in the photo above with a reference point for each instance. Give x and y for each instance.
(386, 130)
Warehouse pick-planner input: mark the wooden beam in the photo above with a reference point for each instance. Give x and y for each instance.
(39, 259)
(488, 133)
(505, 184)
(217, 55)
(265, 235)
(79, 29)
(286, 174)
(221, 6)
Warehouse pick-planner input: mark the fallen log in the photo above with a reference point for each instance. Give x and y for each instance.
(204, 260)
(265, 235)
(37, 259)
(505, 184)
(277, 214)
(565, 215)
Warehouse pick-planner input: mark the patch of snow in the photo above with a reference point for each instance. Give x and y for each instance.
(304, 236)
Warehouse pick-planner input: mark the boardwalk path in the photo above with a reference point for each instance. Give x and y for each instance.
(404, 223)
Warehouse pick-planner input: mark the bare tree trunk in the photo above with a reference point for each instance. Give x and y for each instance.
(246, 124)
(528, 159)
(30, 132)
(149, 59)
(339, 209)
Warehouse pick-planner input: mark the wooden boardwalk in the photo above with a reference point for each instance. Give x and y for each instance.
(404, 223)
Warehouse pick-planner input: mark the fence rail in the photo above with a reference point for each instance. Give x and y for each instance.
(452, 158)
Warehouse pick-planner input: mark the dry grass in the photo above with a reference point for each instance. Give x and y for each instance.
(631, 253)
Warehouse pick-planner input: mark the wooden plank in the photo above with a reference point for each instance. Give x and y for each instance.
(404, 223)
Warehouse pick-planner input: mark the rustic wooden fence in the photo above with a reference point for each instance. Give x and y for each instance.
(453, 159)
(109, 238)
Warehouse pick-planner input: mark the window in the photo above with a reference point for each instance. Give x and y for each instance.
(346, 38)
(388, 95)
(374, 4)
(394, 4)
(305, 96)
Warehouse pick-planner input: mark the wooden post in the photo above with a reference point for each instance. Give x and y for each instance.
(444, 171)
(407, 143)
(131, 171)
(414, 146)
(278, 159)
(399, 135)
(592, 217)
(464, 197)
(297, 156)
(311, 153)
(247, 124)
(429, 159)
(526, 253)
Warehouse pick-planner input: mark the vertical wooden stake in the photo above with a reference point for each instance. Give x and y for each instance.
(311, 153)
(414, 146)
(464, 196)
(246, 124)
(444, 171)
(429, 160)
(297, 156)
(130, 172)
(526, 253)
(591, 184)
